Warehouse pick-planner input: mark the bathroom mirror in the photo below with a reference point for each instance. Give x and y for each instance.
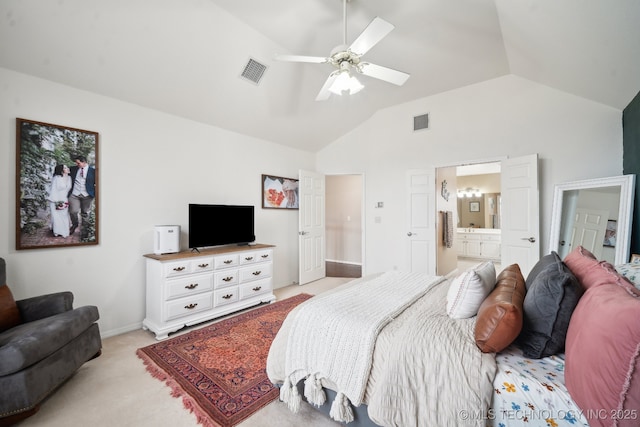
(596, 214)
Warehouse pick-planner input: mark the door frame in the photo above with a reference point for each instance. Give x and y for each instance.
(363, 222)
(466, 163)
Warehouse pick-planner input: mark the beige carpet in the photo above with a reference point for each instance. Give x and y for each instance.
(116, 390)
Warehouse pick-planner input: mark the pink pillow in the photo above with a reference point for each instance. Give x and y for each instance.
(590, 272)
(602, 364)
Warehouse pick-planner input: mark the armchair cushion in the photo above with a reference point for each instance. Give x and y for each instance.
(29, 343)
(42, 306)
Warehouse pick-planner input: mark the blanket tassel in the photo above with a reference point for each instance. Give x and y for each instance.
(313, 390)
(289, 395)
(341, 409)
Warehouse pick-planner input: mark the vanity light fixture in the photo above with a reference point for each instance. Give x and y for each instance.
(469, 192)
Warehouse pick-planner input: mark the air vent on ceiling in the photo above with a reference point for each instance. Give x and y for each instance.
(253, 71)
(421, 122)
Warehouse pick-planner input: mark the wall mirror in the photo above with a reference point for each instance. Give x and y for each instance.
(596, 214)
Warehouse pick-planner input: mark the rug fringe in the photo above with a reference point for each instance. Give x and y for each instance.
(176, 391)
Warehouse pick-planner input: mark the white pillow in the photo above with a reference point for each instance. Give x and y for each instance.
(468, 290)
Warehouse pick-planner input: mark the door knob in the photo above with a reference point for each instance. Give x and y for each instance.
(531, 239)
(411, 234)
(302, 233)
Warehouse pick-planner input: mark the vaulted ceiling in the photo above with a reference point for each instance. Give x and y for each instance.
(185, 57)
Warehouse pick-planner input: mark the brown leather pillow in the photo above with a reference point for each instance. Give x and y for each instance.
(9, 314)
(500, 315)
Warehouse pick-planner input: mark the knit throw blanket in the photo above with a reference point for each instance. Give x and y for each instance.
(333, 336)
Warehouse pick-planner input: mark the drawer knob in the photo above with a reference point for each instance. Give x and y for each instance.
(191, 306)
(256, 273)
(203, 265)
(191, 286)
(227, 279)
(257, 288)
(249, 258)
(178, 268)
(228, 261)
(227, 296)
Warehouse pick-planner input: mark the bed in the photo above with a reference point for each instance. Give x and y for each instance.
(431, 363)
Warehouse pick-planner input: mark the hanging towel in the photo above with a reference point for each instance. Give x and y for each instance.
(447, 228)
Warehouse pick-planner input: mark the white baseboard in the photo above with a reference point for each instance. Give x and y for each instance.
(120, 331)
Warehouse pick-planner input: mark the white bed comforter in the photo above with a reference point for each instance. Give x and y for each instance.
(426, 369)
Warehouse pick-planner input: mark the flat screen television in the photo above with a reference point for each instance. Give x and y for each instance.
(215, 225)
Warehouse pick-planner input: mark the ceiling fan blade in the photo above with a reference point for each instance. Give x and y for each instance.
(375, 31)
(324, 93)
(301, 58)
(383, 73)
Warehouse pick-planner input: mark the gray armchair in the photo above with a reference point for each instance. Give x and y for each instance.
(36, 356)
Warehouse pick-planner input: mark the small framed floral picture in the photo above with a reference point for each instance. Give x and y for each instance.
(279, 192)
(56, 186)
(474, 206)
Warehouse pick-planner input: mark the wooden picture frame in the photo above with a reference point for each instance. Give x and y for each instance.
(474, 206)
(279, 192)
(610, 234)
(56, 177)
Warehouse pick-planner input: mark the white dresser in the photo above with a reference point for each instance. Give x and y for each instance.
(186, 288)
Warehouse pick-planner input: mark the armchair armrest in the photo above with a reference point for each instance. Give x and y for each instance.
(42, 306)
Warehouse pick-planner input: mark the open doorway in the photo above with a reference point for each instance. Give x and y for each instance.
(476, 209)
(344, 225)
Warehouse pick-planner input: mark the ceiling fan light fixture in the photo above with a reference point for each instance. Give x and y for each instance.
(346, 82)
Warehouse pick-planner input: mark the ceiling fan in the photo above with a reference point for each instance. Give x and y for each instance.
(348, 59)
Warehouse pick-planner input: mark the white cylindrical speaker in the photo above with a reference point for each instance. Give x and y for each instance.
(166, 239)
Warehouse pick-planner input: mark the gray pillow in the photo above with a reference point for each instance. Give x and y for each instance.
(551, 298)
(545, 261)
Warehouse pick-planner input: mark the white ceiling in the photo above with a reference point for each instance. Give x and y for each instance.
(185, 57)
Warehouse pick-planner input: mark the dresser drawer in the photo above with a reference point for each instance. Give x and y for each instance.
(225, 261)
(188, 286)
(255, 272)
(248, 290)
(225, 278)
(182, 267)
(257, 256)
(225, 296)
(187, 306)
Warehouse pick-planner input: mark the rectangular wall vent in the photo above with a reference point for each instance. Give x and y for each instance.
(253, 71)
(421, 122)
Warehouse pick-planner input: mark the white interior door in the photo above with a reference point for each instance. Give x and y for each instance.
(311, 227)
(421, 211)
(588, 230)
(520, 216)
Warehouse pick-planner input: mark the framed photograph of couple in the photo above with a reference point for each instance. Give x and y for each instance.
(57, 191)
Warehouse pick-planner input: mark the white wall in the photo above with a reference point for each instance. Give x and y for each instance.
(509, 116)
(151, 166)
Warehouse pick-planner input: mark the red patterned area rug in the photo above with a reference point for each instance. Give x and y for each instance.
(220, 370)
